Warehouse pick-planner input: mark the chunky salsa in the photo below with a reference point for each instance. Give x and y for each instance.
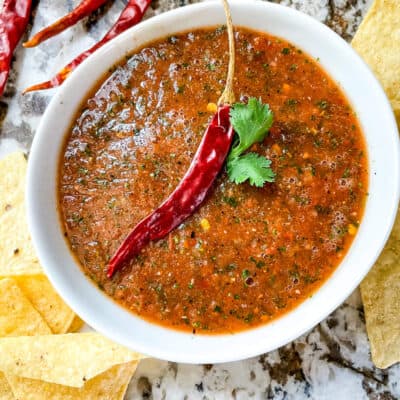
(248, 255)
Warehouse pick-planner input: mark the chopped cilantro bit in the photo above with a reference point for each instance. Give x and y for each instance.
(248, 318)
(230, 267)
(258, 263)
(346, 173)
(279, 302)
(245, 273)
(291, 103)
(180, 89)
(285, 51)
(231, 201)
(322, 104)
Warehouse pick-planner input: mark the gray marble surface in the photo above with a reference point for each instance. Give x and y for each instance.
(331, 362)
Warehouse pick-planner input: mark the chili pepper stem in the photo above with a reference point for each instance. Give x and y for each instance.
(228, 96)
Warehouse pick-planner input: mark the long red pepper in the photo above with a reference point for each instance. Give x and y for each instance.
(188, 195)
(194, 186)
(84, 8)
(130, 16)
(14, 17)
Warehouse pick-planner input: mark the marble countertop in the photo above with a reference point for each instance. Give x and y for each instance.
(332, 361)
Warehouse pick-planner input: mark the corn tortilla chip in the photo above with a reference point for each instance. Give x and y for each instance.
(40, 292)
(17, 256)
(5, 390)
(70, 359)
(76, 324)
(17, 315)
(11, 298)
(378, 42)
(110, 385)
(380, 292)
(12, 181)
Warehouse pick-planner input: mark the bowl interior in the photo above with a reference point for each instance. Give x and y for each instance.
(380, 131)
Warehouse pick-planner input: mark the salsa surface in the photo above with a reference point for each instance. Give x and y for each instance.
(248, 255)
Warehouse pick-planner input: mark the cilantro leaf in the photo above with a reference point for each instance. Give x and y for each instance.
(251, 123)
(250, 166)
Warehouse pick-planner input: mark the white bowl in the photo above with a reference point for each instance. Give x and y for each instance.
(374, 113)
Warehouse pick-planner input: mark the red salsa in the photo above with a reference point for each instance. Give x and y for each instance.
(248, 255)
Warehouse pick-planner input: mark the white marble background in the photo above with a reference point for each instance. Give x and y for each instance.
(332, 362)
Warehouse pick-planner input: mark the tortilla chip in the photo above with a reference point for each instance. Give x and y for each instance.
(40, 292)
(378, 42)
(17, 255)
(70, 359)
(380, 292)
(17, 315)
(110, 385)
(12, 181)
(76, 324)
(5, 390)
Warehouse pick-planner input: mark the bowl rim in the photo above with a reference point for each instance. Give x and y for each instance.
(86, 300)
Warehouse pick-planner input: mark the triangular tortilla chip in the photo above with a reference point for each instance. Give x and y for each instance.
(17, 315)
(76, 324)
(40, 292)
(70, 359)
(378, 43)
(380, 292)
(5, 390)
(12, 181)
(110, 385)
(17, 255)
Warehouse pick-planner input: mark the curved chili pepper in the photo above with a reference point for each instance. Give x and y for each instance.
(85, 8)
(130, 16)
(188, 195)
(14, 17)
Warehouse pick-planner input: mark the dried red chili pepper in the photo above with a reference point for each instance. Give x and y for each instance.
(84, 8)
(188, 195)
(14, 17)
(194, 186)
(130, 16)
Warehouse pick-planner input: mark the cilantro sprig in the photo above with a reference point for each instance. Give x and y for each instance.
(251, 123)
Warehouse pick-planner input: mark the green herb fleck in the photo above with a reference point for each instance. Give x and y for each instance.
(322, 104)
(245, 274)
(211, 67)
(218, 309)
(231, 201)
